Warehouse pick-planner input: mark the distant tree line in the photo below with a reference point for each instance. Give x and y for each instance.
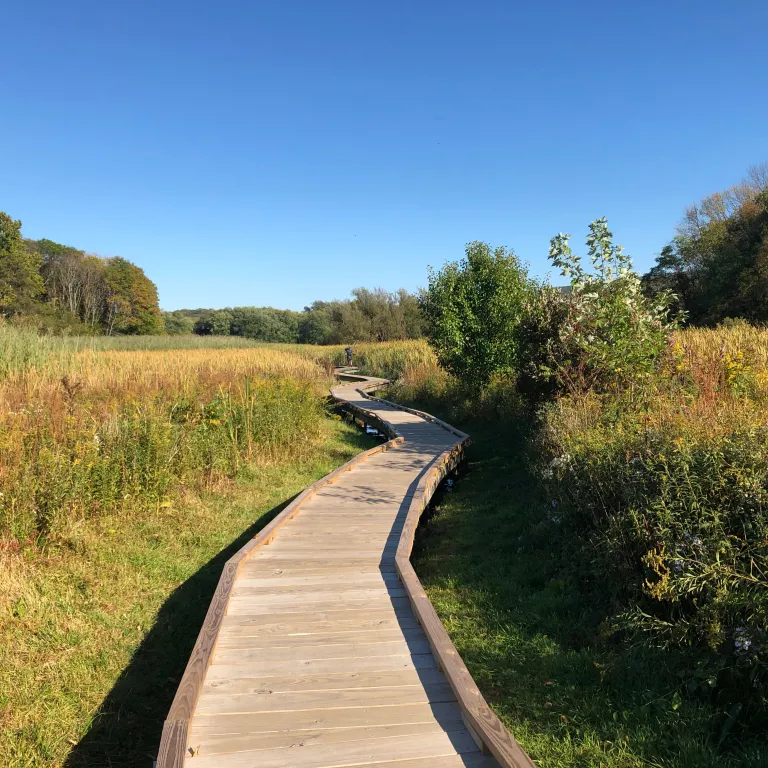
(63, 289)
(717, 264)
(370, 315)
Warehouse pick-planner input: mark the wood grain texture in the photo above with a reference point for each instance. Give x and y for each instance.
(483, 722)
(325, 650)
(171, 753)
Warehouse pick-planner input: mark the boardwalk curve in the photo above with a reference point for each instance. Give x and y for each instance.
(320, 648)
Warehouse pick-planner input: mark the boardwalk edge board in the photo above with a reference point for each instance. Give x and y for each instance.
(481, 722)
(173, 743)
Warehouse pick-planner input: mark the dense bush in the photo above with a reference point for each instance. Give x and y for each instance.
(471, 312)
(651, 444)
(662, 508)
(601, 333)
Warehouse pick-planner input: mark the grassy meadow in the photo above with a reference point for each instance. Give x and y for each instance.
(127, 477)
(600, 565)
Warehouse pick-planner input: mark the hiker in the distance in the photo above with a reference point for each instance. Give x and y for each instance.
(348, 353)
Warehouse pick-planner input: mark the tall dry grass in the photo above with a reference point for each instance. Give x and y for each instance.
(88, 431)
(389, 359)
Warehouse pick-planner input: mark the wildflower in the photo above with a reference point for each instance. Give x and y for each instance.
(676, 565)
(742, 642)
(560, 461)
(554, 503)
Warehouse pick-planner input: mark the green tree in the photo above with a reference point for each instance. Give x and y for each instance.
(131, 306)
(718, 262)
(21, 285)
(609, 333)
(265, 324)
(315, 325)
(177, 323)
(213, 322)
(669, 275)
(471, 310)
(412, 320)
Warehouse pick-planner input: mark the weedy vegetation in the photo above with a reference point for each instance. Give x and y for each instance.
(126, 480)
(603, 568)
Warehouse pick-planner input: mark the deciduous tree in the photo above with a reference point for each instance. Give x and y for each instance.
(21, 285)
(471, 310)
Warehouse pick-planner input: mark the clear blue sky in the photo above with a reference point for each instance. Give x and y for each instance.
(276, 152)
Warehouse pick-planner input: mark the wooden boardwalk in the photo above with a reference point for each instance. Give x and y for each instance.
(321, 649)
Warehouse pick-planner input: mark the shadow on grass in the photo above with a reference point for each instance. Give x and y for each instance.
(126, 729)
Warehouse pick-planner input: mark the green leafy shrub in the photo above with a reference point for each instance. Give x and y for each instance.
(600, 334)
(471, 310)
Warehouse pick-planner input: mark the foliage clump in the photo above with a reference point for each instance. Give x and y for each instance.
(717, 264)
(650, 443)
(662, 518)
(472, 309)
(600, 333)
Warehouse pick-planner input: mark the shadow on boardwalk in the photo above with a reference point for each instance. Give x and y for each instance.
(126, 730)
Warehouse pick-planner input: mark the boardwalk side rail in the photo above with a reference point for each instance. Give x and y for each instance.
(173, 743)
(486, 729)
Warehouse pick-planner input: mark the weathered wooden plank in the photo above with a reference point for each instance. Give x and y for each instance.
(239, 639)
(327, 682)
(366, 663)
(328, 597)
(331, 549)
(448, 715)
(316, 557)
(252, 607)
(468, 760)
(301, 653)
(287, 580)
(336, 590)
(440, 744)
(297, 568)
(324, 621)
(209, 742)
(352, 533)
(233, 703)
